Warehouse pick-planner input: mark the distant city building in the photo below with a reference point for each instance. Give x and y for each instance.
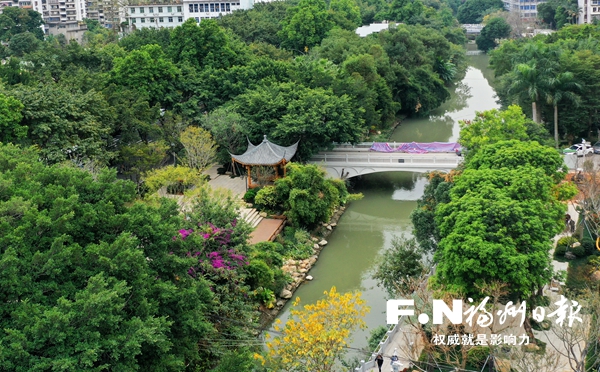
(526, 8)
(173, 15)
(590, 11)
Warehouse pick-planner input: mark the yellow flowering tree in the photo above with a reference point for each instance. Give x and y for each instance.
(317, 335)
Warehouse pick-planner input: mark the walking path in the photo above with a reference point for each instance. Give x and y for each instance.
(265, 229)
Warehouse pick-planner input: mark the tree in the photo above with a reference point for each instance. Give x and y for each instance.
(345, 14)
(205, 45)
(226, 127)
(472, 11)
(405, 11)
(305, 195)
(199, 147)
(150, 72)
(305, 25)
(315, 337)
(497, 227)
(289, 112)
(422, 217)
(492, 126)
(175, 179)
(66, 124)
(546, 13)
(561, 87)
(403, 261)
(495, 29)
(23, 43)
(10, 118)
(15, 20)
(87, 268)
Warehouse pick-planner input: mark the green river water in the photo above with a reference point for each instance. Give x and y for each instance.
(368, 226)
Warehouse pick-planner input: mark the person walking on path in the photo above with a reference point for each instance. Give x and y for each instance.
(379, 360)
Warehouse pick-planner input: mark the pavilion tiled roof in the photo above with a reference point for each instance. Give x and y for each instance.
(266, 153)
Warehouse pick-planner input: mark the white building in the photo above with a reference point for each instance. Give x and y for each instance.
(526, 8)
(60, 11)
(590, 10)
(162, 15)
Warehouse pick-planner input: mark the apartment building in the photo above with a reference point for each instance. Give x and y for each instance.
(173, 15)
(590, 11)
(526, 8)
(56, 12)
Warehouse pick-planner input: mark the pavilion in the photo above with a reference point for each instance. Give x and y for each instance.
(265, 154)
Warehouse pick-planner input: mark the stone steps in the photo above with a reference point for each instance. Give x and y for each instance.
(251, 215)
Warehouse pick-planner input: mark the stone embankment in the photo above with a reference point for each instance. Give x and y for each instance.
(299, 270)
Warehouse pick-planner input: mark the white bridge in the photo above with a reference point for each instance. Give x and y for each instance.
(345, 162)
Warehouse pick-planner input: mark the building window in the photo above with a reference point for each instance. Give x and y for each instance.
(195, 8)
(212, 7)
(197, 19)
(160, 9)
(169, 9)
(151, 19)
(141, 10)
(191, 8)
(151, 10)
(179, 19)
(222, 7)
(132, 20)
(227, 7)
(170, 19)
(143, 20)
(132, 10)
(179, 9)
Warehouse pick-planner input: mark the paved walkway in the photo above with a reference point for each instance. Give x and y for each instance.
(237, 185)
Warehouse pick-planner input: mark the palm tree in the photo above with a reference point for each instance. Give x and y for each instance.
(562, 87)
(528, 79)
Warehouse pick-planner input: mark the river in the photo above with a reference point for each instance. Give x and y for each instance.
(366, 229)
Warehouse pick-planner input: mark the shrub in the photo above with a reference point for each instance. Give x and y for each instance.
(280, 280)
(259, 274)
(477, 356)
(563, 244)
(579, 251)
(376, 336)
(268, 252)
(250, 195)
(588, 244)
(267, 198)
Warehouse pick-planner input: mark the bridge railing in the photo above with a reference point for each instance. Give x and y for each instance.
(374, 157)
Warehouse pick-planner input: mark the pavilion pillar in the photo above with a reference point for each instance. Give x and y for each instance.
(284, 168)
(249, 176)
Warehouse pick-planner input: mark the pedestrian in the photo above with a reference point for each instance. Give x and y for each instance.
(379, 360)
(567, 221)
(572, 226)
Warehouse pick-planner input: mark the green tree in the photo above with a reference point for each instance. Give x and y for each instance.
(402, 263)
(562, 87)
(23, 43)
(200, 149)
(495, 29)
(66, 124)
(546, 12)
(473, 11)
(87, 268)
(10, 119)
(492, 126)
(305, 25)
(226, 127)
(150, 72)
(405, 11)
(15, 20)
(289, 112)
(345, 14)
(422, 217)
(498, 226)
(205, 45)
(305, 195)
(530, 80)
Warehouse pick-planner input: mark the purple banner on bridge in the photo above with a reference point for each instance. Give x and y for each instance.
(415, 147)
